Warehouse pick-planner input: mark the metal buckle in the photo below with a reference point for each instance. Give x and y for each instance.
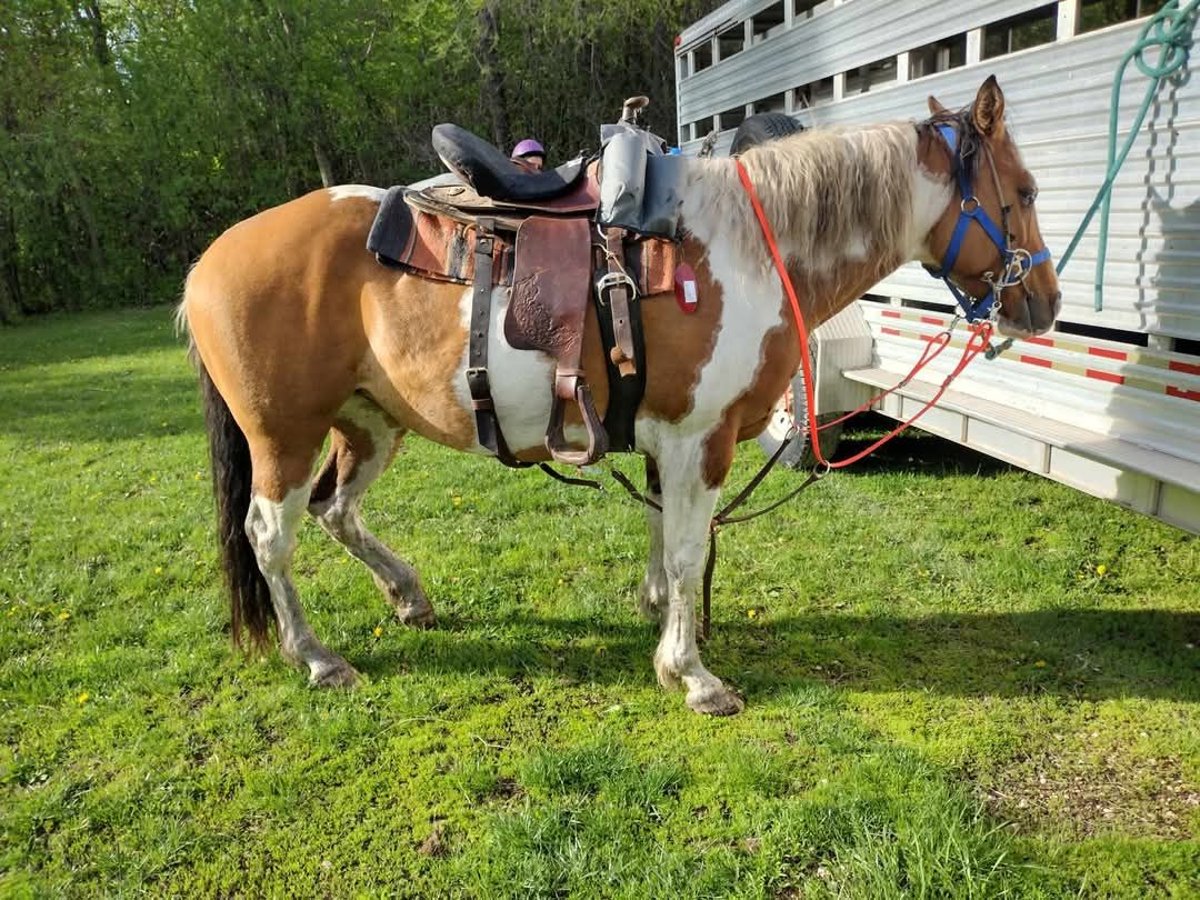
(610, 280)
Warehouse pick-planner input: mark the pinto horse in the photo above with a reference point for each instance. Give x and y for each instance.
(299, 334)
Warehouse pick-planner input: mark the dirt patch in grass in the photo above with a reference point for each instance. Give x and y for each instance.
(1087, 795)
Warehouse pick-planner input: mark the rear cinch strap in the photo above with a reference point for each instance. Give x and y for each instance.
(486, 423)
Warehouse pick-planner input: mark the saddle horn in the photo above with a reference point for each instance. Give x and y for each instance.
(633, 108)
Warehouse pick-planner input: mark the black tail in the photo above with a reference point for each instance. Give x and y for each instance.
(249, 596)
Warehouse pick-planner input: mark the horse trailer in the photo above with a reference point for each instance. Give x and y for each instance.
(1109, 401)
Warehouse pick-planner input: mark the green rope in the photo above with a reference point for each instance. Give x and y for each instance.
(1170, 29)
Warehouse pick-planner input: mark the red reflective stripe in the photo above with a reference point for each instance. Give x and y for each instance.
(1040, 341)
(1105, 376)
(1108, 354)
(1034, 361)
(931, 320)
(892, 313)
(1180, 392)
(895, 332)
(1189, 368)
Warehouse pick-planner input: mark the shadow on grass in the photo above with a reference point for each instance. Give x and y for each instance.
(114, 407)
(75, 337)
(912, 452)
(1081, 654)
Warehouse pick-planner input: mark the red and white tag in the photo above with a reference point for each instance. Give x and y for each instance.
(687, 293)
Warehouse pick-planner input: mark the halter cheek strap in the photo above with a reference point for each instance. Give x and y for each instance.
(1015, 263)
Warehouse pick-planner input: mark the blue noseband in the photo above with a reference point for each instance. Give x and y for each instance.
(1015, 263)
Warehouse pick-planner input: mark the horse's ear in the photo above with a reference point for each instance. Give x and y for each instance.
(988, 110)
(935, 107)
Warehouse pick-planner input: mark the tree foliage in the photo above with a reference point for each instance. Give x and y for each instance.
(132, 132)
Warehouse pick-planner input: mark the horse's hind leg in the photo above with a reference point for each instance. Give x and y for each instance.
(364, 443)
(271, 526)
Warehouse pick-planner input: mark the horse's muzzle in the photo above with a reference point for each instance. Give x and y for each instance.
(1034, 315)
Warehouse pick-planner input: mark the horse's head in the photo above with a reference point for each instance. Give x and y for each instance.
(987, 241)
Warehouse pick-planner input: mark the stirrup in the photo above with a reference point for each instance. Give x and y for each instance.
(556, 442)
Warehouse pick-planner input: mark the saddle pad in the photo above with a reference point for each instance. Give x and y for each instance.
(442, 247)
(434, 246)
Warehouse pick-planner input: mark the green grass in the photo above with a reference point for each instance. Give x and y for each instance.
(945, 697)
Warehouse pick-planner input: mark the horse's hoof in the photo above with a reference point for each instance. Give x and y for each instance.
(333, 674)
(723, 702)
(417, 616)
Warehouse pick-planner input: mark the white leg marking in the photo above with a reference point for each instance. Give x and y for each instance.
(271, 528)
(339, 516)
(652, 595)
(687, 508)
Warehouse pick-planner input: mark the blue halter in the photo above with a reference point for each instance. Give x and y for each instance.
(1015, 263)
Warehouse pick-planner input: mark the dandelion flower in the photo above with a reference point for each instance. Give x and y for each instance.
(752, 613)
(1040, 664)
(1101, 569)
(378, 632)
(83, 698)
(158, 570)
(63, 616)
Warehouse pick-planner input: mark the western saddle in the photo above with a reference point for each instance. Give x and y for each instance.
(542, 236)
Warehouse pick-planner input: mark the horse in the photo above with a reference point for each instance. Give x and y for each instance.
(299, 335)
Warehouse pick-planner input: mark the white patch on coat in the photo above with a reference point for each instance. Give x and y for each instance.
(931, 195)
(522, 381)
(356, 191)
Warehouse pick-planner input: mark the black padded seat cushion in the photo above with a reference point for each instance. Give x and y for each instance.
(493, 174)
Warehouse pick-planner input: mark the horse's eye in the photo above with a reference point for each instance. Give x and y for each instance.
(1028, 196)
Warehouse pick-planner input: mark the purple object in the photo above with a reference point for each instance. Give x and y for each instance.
(528, 147)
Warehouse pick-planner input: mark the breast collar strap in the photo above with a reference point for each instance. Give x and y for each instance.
(1015, 263)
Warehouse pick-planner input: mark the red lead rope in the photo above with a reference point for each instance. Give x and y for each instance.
(981, 333)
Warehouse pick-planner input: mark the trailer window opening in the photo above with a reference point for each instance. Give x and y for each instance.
(702, 57)
(776, 103)
(767, 23)
(1096, 14)
(872, 75)
(927, 305)
(806, 9)
(731, 42)
(1187, 346)
(814, 93)
(731, 118)
(1119, 335)
(940, 56)
(1031, 29)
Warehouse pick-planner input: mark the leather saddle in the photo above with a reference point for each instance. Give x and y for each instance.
(494, 175)
(491, 223)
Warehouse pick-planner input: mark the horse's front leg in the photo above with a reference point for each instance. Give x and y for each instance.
(688, 504)
(652, 596)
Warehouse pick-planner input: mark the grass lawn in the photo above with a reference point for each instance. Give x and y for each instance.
(961, 680)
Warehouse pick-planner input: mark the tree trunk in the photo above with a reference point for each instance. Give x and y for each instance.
(99, 33)
(491, 71)
(323, 165)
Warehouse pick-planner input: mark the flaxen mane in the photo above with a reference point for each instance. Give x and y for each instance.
(824, 191)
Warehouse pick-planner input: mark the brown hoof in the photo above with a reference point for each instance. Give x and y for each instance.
(418, 617)
(338, 674)
(717, 703)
